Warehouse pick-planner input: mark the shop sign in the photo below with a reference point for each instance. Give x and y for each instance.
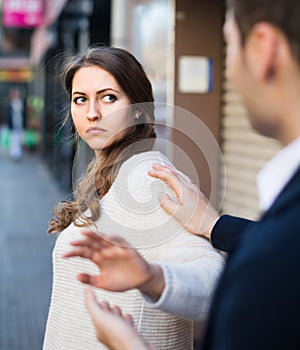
(22, 75)
(22, 13)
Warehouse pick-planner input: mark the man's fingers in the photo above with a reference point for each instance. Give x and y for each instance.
(169, 178)
(173, 177)
(158, 166)
(167, 204)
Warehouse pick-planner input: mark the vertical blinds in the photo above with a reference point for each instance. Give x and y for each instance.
(245, 153)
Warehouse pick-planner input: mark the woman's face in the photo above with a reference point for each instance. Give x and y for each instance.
(98, 107)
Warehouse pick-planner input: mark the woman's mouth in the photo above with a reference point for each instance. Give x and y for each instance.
(95, 130)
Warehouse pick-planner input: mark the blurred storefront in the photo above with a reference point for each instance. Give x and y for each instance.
(68, 26)
(18, 21)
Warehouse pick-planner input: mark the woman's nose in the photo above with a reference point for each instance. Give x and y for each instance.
(94, 112)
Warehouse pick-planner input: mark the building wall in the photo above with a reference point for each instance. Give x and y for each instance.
(74, 30)
(244, 152)
(199, 34)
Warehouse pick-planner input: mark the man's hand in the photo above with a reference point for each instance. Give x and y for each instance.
(193, 210)
(121, 266)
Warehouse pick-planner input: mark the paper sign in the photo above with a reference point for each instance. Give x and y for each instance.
(195, 74)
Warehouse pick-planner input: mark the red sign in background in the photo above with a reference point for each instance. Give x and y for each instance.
(22, 13)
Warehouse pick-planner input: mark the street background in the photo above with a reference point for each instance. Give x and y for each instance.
(28, 194)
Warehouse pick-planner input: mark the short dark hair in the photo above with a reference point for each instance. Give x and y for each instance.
(283, 14)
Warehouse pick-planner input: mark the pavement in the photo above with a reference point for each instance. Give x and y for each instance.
(28, 194)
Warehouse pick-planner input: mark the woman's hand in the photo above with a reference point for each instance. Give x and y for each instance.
(193, 210)
(113, 329)
(121, 266)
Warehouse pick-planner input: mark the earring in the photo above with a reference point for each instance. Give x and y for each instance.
(137, 116)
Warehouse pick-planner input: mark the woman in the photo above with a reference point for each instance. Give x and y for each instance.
(113, 112)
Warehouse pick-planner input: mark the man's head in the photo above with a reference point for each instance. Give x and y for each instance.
(263, 61)
(283, 14)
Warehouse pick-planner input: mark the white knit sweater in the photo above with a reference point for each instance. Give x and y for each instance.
(131, 209)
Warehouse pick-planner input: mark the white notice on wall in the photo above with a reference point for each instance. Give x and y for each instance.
(194, 74)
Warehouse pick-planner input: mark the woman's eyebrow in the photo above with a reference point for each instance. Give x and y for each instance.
(97, 92)
(105, 89)
(78, 93)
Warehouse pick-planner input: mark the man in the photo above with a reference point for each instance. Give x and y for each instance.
(256, 303)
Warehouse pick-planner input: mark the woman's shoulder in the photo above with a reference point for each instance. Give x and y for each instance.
(135, 169)
(144, 160)
(134, 175)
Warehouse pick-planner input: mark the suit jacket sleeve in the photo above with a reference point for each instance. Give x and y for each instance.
(227, 232)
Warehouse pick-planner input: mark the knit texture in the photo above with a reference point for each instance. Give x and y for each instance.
(129, 209)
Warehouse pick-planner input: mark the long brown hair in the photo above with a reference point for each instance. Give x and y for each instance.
(103, 169)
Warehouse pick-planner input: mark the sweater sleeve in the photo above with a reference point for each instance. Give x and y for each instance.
(227, 232)
(188, 288)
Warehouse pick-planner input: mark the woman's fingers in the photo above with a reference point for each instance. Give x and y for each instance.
(116, 310)
(94, 281)
(128, 318)
(94, 243)
(92, 303)
(97, 236)
(94, 306)
(84, 278)
(106, 240)
(90, 300)
(82, 252)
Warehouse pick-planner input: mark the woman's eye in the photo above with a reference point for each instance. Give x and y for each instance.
(109, 98)
(79, 100)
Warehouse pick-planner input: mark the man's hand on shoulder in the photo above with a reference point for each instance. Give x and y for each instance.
(193, 210)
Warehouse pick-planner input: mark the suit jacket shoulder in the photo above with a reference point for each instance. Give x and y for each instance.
(256, 305)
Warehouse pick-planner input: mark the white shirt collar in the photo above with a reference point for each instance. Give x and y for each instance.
(277, 173)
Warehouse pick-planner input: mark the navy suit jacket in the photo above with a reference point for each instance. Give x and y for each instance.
(256, 305)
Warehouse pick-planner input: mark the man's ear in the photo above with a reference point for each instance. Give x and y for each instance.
(262, 47)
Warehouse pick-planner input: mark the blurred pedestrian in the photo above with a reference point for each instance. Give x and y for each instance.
(113, 112)
(16, 123)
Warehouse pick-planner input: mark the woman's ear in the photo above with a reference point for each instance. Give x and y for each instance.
(262, 49)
